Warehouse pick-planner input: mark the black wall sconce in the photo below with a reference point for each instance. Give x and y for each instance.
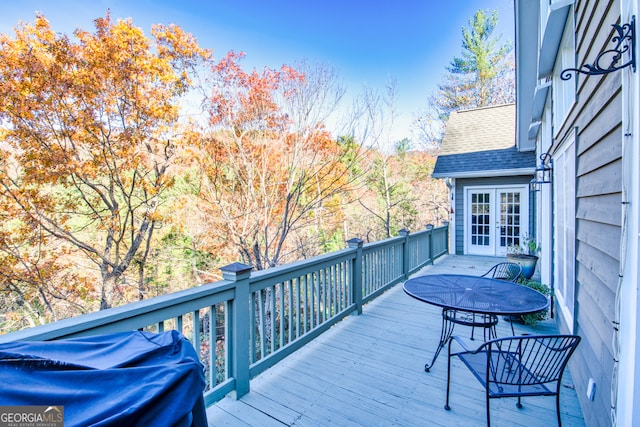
(543, 174)
(625, 40)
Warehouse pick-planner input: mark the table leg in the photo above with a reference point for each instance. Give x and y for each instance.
(445, 335)
(490, 333)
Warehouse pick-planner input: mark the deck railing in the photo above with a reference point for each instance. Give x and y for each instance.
(249, 321)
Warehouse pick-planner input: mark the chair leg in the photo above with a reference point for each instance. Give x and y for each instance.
(490, 332)
(558, 407)
(488, 410)
(446, 405)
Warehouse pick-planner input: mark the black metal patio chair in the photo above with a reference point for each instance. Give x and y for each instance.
(509, 271)
(530, 365)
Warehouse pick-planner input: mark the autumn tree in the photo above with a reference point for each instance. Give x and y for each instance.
(270, 177)
(406, 198)
(89, 130)
(431, 201)
(383, 196)
(393, 204)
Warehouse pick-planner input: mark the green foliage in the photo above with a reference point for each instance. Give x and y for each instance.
(351, 150)
(481, 54)
(333, 242)
(394, 194)
(532, 319)
(528, 246)
(481, 62)
(483, 75)
(176, 263)
(403, 147)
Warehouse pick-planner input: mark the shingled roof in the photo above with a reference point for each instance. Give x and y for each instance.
(481, 142)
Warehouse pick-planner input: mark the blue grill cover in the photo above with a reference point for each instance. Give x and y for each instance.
(123, 379)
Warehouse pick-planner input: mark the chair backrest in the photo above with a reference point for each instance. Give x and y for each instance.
(509, 271)
(529, 359)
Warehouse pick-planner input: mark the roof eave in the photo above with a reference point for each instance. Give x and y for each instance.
(526, 33)
(486, 173)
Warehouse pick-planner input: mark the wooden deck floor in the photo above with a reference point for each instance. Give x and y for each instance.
(368, 370)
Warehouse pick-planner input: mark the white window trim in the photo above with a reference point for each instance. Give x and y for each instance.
(567, 277)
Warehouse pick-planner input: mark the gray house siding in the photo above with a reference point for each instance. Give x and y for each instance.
(461, 183)
(596, 118)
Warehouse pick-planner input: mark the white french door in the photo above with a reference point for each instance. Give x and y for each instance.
(495, 218)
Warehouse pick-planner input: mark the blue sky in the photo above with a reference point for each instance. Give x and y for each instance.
(367, 42)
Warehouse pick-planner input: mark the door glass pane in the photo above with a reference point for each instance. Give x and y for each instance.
(509, 218)
(480, 229)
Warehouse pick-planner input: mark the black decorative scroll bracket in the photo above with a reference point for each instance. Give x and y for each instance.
(625, 40)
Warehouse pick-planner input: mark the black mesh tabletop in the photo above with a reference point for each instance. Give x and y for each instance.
(476, 294)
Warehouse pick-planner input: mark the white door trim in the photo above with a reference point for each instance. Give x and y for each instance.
(493, 248)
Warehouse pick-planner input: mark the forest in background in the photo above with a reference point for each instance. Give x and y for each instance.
(134, 166)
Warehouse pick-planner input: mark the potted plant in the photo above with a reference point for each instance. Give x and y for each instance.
(525, 254)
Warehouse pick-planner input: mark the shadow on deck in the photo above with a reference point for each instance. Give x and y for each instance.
(368, 370)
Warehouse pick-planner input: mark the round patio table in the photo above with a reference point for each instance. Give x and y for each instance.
(479, 295)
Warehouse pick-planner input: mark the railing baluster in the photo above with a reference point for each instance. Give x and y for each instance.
(321, 297)
(377, 267)
(331, 297)
(285, 314)
(339, 272)
(316, 288)
(300, 307)
(196, 331)
(226, 342)
(294, 309)
(253, 326)
(345, 283)
(310, 301)
(314, 299)
(274, 318)
(262, 320)
(326, 289)
(340, 286)
(212, 346)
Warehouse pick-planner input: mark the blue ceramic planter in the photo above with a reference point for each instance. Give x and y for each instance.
(527, 262)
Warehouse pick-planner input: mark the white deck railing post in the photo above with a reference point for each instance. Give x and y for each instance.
(238, 330)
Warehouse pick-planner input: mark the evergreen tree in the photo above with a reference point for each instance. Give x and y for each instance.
(483, 75)
(481, 63)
